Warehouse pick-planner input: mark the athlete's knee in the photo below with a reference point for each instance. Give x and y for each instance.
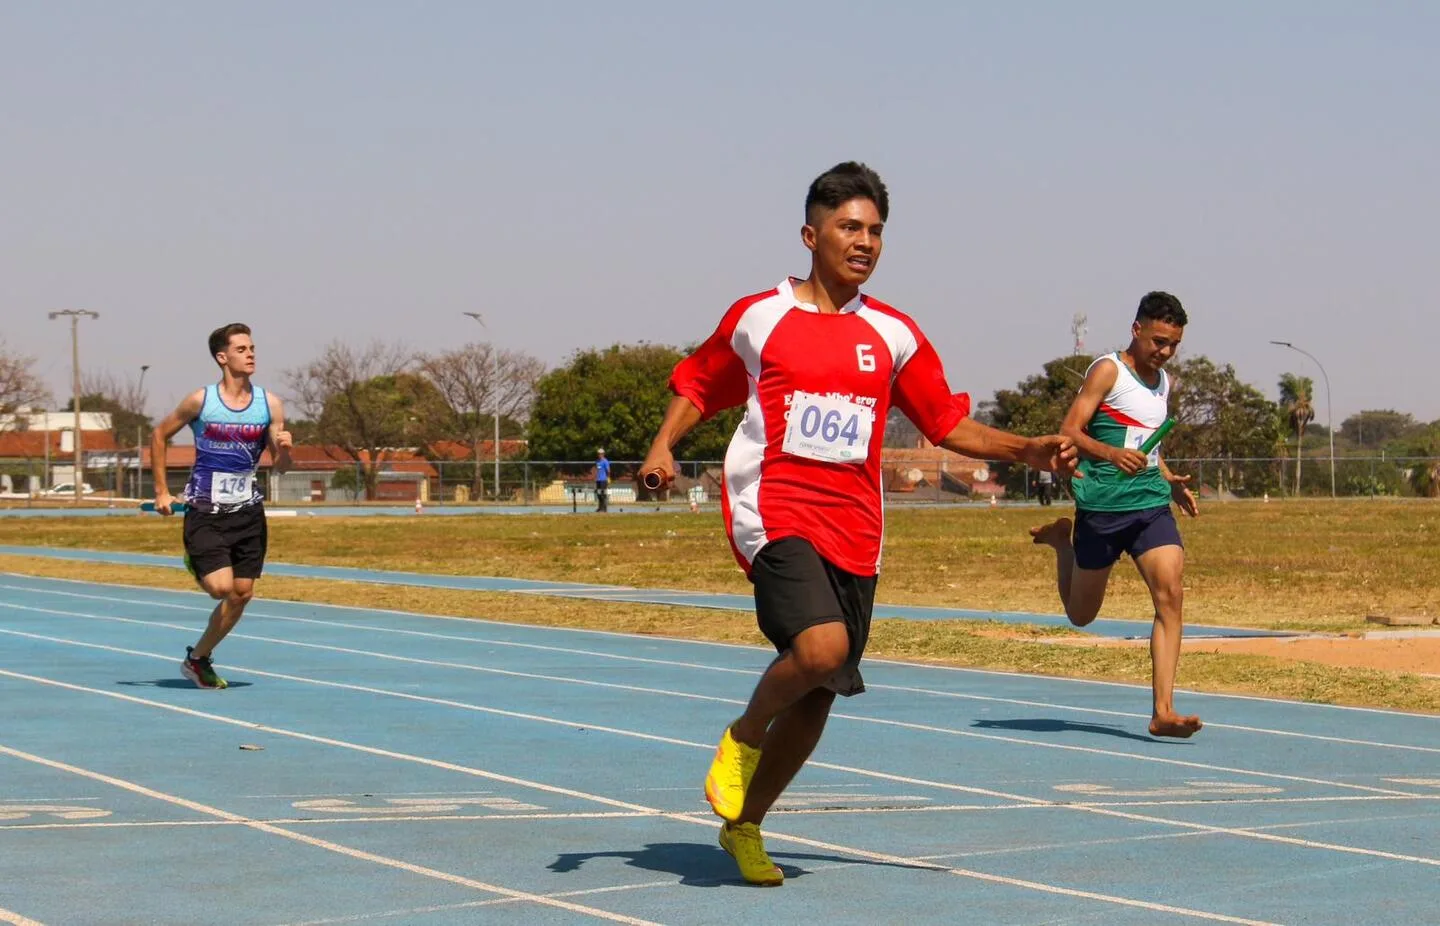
(821, 651)
(241, 593)
(219, 589)
(1082, 615)
(1168, 597)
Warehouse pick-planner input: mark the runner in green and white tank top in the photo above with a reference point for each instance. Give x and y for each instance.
(1130, 412)
(1123, 496)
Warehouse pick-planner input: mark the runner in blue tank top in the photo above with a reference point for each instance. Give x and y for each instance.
(234, 422)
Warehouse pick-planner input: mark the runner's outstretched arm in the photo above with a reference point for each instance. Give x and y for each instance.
(1054, 452)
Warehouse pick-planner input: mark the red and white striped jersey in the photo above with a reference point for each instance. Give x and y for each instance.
(805, 461)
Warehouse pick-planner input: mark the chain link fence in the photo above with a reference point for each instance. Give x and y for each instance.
(909, 476)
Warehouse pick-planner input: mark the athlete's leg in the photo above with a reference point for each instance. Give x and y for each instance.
(1082, 591)
(815, 654)
(232, 595)
(791, 739)
(1163, 568)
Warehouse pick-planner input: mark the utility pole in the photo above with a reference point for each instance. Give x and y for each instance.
(140, 430)
(495, 390)
(1329, 410)
(75, 315)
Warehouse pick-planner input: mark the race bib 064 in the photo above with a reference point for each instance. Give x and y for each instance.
(827, 429)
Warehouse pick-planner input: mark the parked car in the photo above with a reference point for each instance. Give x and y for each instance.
(68, 488)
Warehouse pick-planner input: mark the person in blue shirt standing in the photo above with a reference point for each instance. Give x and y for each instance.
(602, 483)
(234, 421)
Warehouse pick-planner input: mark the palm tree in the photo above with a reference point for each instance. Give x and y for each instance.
(1296, 393)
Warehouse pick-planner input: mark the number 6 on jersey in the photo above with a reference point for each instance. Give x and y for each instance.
(865, 358)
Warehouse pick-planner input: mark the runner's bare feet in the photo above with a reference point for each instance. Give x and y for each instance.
(1054, 534)
(1175, 725)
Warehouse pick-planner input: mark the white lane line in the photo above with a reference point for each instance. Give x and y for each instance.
(626, 805)
(670, 693)
(1102, 811)
(474, 904)
(348, 851)
(778, 811)
(690, 644)
(909, 689)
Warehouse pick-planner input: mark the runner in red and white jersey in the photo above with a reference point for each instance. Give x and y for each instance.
(818, 366)
(847, 368)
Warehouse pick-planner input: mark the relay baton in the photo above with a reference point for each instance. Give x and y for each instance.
(176, 507)
(653, 480)
(1158, 436)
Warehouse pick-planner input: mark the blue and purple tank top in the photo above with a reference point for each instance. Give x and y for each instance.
(228, 445)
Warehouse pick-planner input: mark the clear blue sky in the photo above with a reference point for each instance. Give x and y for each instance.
(587, 173)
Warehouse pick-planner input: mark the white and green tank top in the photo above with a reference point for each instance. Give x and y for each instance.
(1130, 413)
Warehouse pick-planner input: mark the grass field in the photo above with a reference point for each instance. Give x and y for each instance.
(1304, 566)
(1316, 566)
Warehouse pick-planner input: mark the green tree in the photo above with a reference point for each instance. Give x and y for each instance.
(1037, 405)
(368, 403)
(1296, 404)
(303, 430)
(125, 422)
(348, 479)
(900, 432)
(615, 398)
(1375, 428)
(476, 379)
(20, 384)
(1220, 418)
(1424, 472)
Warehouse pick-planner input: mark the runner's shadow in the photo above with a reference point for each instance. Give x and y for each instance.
(1048, 725)
(176, 683)
(703, 865)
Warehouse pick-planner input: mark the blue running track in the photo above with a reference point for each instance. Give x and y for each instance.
(372, 767)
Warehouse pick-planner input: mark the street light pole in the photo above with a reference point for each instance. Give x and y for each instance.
(1329, 408)
(495, 388)
(75, 315)
(140, 429)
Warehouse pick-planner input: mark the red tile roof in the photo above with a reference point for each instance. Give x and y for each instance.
(461, 451)
(16, 445)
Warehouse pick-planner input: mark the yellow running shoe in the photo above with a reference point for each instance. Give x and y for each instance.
(730, 776)
(745, 844)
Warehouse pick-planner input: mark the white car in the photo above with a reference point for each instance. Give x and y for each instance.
(68, 488)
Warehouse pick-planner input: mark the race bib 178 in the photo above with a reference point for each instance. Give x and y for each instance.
(231, 488)
(827, 429)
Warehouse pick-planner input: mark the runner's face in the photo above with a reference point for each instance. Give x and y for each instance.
(239, 356)
(846, 241)
(1155, 342)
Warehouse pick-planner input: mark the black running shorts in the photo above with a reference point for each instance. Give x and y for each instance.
(796, 588)
(237, 539)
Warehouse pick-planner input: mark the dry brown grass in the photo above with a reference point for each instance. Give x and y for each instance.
(960, 643)
(1302, 565)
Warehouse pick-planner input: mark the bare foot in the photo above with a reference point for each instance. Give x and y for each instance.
(1175, 725)
(1055, 534)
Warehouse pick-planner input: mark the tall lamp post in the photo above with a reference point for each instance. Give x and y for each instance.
(75, 315)
(495, 387)
(140, 431)
(1329, 409)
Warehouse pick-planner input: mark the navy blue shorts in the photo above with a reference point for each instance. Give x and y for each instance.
(1101, 536)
